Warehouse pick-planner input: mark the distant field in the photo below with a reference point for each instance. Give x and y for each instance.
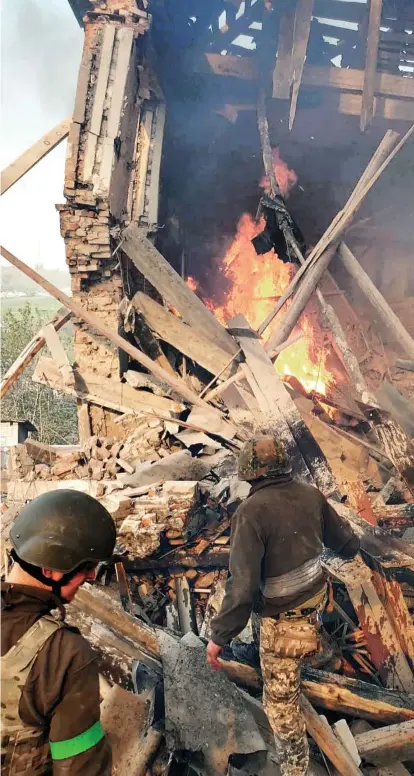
(41, 302)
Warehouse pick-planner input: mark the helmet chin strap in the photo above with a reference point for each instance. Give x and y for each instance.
(37, 573)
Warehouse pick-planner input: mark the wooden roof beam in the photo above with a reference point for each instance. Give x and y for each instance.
(349, 79)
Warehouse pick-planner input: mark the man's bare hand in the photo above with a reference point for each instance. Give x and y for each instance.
(213, 651)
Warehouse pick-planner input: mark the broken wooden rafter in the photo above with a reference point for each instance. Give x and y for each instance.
(185, 338)
(30, 351)
(11, 174)
(355, 698)
(104, 392)
(178, 385)
(282, 72)
(387, 85)
(301, 31)
(325, 738)
(279, 411)
(367, 110)
(173, 288)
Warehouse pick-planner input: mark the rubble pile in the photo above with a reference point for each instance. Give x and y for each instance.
(159, 438)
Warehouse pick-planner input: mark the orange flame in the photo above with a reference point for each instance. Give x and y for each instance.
(257, 282)
(192, 283)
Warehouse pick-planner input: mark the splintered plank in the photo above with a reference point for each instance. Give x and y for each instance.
(105, 392)
(367, 109)
(283, 69)
(170, 328)
(391, 595)
(11, 174)
(345, 695)
(280, 412)
(58, 353)
(382, 641)
(301, 30)
(30, 351)
(172, 287)
(327, 741)
(388, 744)
(397, 446)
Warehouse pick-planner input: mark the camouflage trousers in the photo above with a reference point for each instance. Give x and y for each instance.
(284, 644)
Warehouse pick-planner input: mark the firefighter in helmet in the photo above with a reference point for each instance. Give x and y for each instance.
(277, 537)
(49, 678)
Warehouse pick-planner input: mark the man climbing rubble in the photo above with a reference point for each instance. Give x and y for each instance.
(49, 678)
(277, 537)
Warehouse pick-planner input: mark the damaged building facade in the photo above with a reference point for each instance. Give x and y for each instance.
(199, 318)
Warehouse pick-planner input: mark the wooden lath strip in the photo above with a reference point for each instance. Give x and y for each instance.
(11, 174)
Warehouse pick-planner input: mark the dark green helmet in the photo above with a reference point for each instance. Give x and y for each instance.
(263, 456)
(63, 529)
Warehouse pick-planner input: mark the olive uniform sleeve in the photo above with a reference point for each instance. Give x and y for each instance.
(62, 691)
(337, 533)
(242, 588)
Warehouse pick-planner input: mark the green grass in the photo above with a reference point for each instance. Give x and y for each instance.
(46, 303)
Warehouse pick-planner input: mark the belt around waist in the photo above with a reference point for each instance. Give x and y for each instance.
(294, 582)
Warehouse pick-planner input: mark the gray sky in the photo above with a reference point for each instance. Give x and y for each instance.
(41, 47)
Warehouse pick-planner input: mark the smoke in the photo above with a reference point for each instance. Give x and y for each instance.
(41, 49)
(40, 56)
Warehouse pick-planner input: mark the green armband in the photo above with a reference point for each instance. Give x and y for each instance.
(60, 750)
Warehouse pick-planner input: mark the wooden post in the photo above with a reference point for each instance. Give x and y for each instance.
(381, 306)
(30, 351)
(11, 174)
(374, 24)
(96, 323)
